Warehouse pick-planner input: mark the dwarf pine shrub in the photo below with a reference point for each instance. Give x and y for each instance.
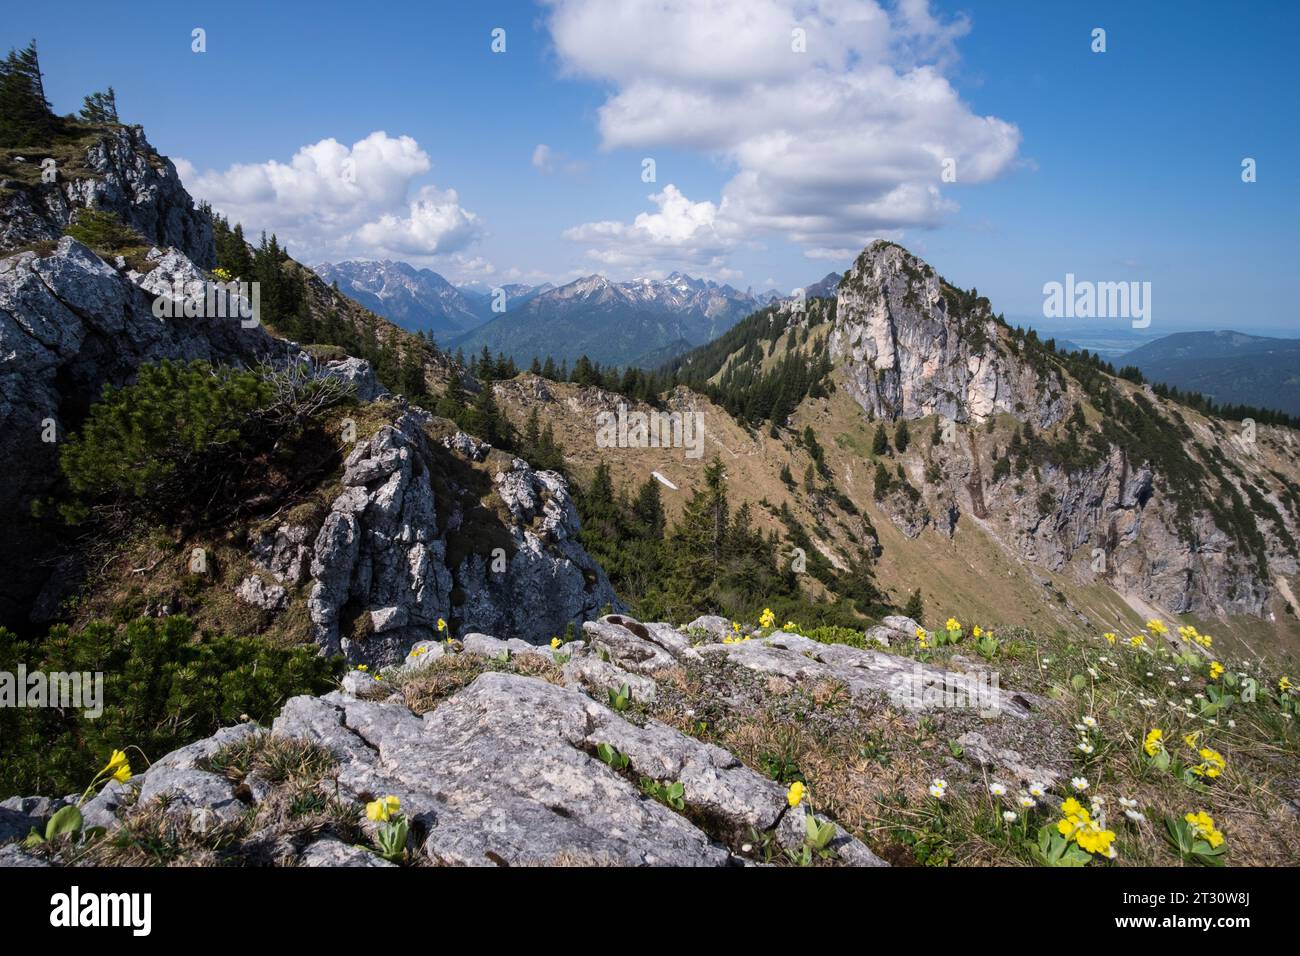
(164, 686)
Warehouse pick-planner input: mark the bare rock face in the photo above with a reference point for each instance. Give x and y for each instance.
(549, 582)
(1116, 507)
(912, 346)
(379, 549)
(380, 557)
(128, 178)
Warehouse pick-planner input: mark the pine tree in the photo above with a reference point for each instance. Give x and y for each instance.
(913, 608)
(25, 115)
(649, 509)
(880, 443)
(882, 480)
(100, 107)
(902, 436)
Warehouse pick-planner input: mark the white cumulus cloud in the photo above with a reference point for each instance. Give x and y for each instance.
(680, 231)
(334, 200)
(835, 116)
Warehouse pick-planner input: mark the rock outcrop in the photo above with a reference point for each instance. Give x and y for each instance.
(513, 770)
(912, 346)
(382, 552)
(122, 174)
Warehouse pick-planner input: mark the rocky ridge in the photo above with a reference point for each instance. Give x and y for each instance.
(507, 769)
(910, 346)
(908, 351)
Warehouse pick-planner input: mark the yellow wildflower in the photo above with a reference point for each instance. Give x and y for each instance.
(555, 643)
(977, 631)
(1110, 637)
(1137, 640)
(118, 767)
(794, 796)
(1094, 839)
(1157, 626)
(1216, 670)
(363, 667)
(1154, 742)
(952, 624)
(442, 625)
(767, 618)
(1204, 826)
(1284, 684)
(382, 810)
(1212, 763)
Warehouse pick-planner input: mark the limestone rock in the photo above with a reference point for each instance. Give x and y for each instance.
(269, 597)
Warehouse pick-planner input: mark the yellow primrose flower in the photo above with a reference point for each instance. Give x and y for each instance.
(794, 796)
(1284, 684)
(419, 651)
(1192, 738)
(1110, 637)
(952, 624)
(555, 643)
(1203, 824)
(442, 625)
(1212, 763)
(977, 631)
(1216, 670)
(382, 810)
(1094, 839)
(363, 667)
(118, 767)
(735, 626)
(1137, 640)
(1154, 742)
(1205, 640)
(767, 618)
(1156, 626)
(790, 626)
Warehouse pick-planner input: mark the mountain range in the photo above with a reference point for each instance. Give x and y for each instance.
(643, 321)
(1231, 368)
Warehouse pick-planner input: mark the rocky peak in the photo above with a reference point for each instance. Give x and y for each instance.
(912, 345)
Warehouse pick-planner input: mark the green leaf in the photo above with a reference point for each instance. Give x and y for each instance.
(65, 820)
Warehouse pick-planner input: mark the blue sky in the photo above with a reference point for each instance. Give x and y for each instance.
(771, 167)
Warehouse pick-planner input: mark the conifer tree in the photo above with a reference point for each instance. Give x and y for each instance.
(100, 107)
(902, 436)
(880, 443)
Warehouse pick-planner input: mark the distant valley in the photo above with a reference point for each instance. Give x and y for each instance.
(1231, 368)
(643, 322)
